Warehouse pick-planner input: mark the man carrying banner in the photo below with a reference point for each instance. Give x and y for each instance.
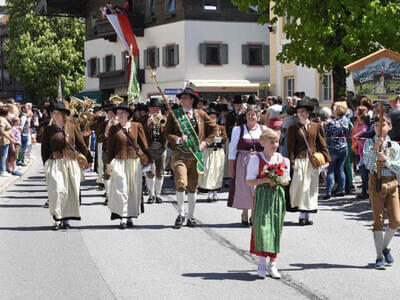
(186, 159)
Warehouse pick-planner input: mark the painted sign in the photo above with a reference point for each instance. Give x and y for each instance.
(377, 75)
(172, 91)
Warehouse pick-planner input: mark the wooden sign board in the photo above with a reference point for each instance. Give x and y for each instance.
(377, 75)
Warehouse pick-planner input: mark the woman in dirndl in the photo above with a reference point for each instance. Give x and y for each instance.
(245, 141)
(305, 180)
(214, 161)
(61, 143)
(269, 172)
(124, 142)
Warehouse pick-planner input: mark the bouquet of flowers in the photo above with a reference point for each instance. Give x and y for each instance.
(274, 172)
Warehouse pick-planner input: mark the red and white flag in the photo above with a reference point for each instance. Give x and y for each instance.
(123, 28)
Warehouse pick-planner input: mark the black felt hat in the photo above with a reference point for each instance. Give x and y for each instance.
(237, 99)
(251, 100)
(212, 110)
(124, 106)
(155, 102)
(108, 105)
(189, 91)
(60, 106)
(306, 103)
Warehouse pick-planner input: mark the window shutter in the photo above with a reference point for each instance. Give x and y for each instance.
(97, 66)
(113, 66)
(164, 56)
(104, 64)
(157, 56)
(137, 61)
(265, 55)
(176, 55)
(145, 59)
(88, 68)
(203, 58)
(123, 61)
(224, 54)
(245, 54)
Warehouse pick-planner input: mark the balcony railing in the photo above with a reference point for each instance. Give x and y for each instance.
(103, 28)
(117, 79)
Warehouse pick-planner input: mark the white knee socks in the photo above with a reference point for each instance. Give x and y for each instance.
(378, 240)
(389, 234)
(192, 204)
(180, 197)
(107, 185)
(159, 184)
(150, 185)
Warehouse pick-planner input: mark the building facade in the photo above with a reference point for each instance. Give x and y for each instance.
(209, 45)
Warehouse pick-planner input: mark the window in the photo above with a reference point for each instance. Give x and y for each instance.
(125, 59)
(289, 86)
(326, 87)
(150, 9)
(211, 5)
(93, 66)
(109, 63)
(255, 55)
(171, 55)
(170, 7)
(152, 57)
(213, 54)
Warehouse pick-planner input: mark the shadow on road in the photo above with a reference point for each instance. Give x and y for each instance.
(24, 197)
(19, 205)
(231, 275)
(223, 225)
(316, 266)
(354, 209)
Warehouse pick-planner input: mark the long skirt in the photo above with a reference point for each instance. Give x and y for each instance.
(226, 163)
(304, 186)
(240, 193)
(63, 178)
(268, 216)
(100, 163)
(125, 192)
(214, 161)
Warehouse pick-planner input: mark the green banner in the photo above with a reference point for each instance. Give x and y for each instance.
(192, 143)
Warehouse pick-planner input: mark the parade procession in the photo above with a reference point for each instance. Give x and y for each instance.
(256, 157)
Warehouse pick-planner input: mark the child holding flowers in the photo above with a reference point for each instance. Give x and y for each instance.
(269, 172)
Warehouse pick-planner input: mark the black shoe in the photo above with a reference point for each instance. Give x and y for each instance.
(210, 199)
(179, 221)
(245, 223)
(129, 224)
(101, 185)
(326, 197)
(191, 223)
(105, 202)
(46, 204)
(305, 222)
(151, 200)
(158, 200)
(123, 225)
(363, 196)
(341, 194)
(56, 226)
(65, 225)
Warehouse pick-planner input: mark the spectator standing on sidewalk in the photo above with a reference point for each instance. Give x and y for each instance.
(15, 147)
(6, 138)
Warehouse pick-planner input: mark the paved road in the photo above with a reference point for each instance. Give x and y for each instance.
(95, 260)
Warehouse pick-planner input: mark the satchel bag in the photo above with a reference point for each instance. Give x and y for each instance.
(144, 159)
(317, 159)
(80, 157)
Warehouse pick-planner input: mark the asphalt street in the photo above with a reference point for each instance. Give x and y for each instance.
(333, 259)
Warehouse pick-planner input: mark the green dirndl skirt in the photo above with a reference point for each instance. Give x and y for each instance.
(268, 216)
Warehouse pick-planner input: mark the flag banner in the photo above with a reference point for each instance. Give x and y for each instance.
(123, 28)
(133, 84)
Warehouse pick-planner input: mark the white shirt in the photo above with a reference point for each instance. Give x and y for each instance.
(255, 134)
(253, 165)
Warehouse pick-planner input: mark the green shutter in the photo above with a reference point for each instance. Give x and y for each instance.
(165, 57)
(202, 51)
(137, 62)
(265, 55)
(88, 68)
(97, 66)
(224, 54)
(176, 55)
(157, 56)
(145, 59)
(245, 54)
(123, 60)
(113, 62)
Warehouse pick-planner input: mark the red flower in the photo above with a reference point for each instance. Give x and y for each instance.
(271, 167)
(279, 172)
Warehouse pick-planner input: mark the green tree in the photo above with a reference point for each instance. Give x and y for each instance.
(327, 35)
(40, 50)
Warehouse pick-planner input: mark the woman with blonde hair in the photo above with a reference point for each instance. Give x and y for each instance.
(62, 141)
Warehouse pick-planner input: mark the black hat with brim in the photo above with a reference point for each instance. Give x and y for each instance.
(213, 111)
(155, 102)
(306, 103)
(123, 106)
(191, 92)
(108, 105)
(237, 99)
(251, 100)
(60, 106)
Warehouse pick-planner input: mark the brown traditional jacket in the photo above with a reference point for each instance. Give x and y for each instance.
(99, 126)
(221, 131)
(118, 145)
(55, 146)
(207, 128)
(148, 132)
(297, 147)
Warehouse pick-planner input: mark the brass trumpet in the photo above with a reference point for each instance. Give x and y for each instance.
(158, 119)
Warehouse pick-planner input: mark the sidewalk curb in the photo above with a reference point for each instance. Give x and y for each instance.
(13, 179)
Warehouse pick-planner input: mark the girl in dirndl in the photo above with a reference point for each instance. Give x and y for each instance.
(269, 171)
(60, 144)
(214, 161)
(125, 192)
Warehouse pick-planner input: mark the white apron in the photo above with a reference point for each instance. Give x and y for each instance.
(304, 185)
(125, 192)
(100, 163)
(214, 162)
(63, 178)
